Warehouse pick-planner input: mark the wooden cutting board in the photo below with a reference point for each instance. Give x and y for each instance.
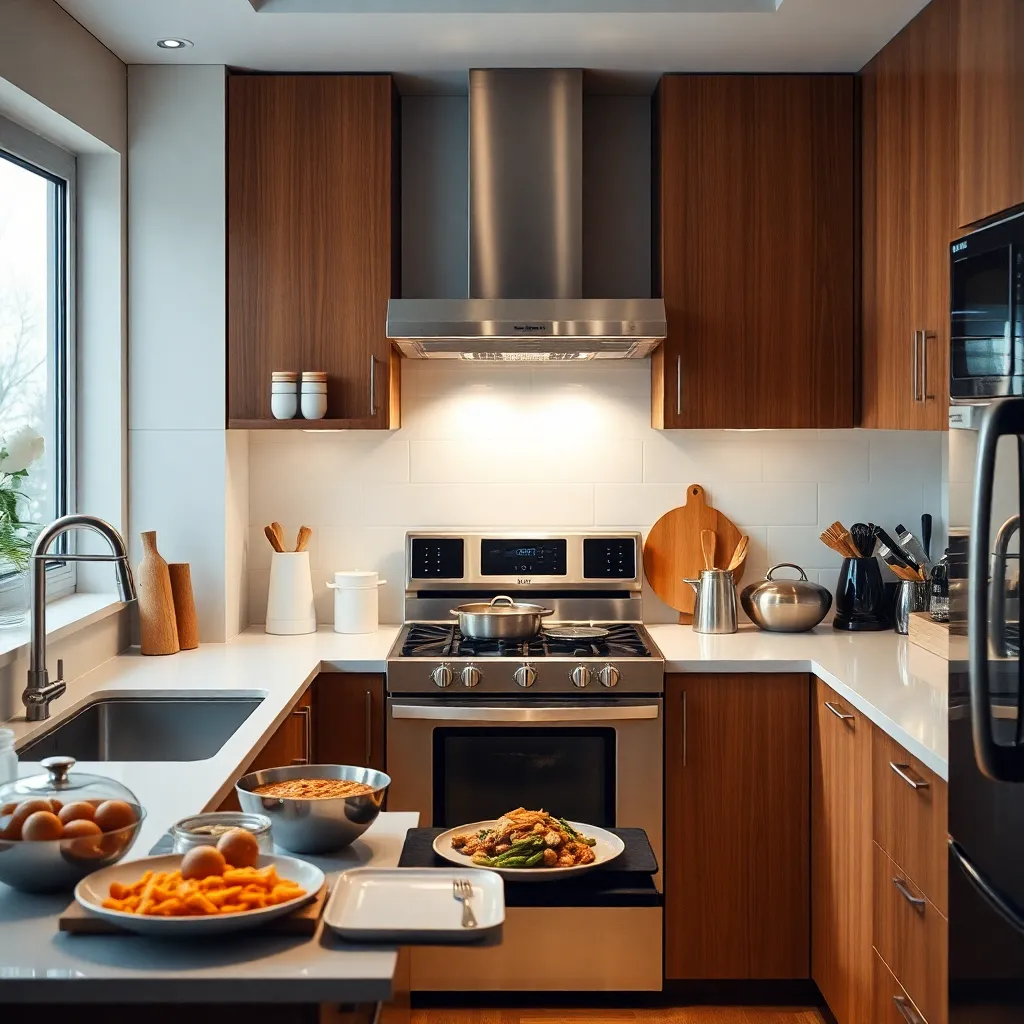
(672, 550)
(303, 921)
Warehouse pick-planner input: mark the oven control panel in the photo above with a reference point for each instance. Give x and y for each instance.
(501, 563)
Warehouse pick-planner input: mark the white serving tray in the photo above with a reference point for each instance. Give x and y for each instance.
(413, 905)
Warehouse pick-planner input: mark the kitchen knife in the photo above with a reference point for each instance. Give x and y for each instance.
(891, 552)
(913, 547)
(926, 534)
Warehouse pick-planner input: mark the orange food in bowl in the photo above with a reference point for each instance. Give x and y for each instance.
(114, 814)
(23, 811)
(78, 810)
(78, 828)
(41, 827)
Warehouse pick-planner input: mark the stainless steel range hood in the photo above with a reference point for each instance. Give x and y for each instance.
(526, 239)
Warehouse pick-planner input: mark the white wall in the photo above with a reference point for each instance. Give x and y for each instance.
(188, 476)
(568, 448)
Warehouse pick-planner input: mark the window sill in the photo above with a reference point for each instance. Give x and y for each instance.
(64, 616)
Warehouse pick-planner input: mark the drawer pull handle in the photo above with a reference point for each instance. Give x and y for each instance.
(839, 712)
(907, 1011)
(915, 901)
(914, 781)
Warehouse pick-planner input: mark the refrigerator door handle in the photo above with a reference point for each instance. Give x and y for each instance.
(1002, 905)
(1004, 763)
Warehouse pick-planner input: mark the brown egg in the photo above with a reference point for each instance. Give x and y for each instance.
(240, 848)
(78, 810)
(41, 827)
(56, 805)
(86, 836)
(114, 814)
(202, 862)
(21, 813)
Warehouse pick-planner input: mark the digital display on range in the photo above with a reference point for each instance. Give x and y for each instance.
(522, 558)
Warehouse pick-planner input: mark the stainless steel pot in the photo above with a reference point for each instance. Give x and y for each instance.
(785, 606)
(500, 619)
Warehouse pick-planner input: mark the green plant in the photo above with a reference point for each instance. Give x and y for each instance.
(17, 452)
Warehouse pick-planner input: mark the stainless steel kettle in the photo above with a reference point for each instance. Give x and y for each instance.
(715, 609)
(786, 605)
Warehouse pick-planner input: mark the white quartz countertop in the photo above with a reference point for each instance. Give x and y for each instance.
(899, 686)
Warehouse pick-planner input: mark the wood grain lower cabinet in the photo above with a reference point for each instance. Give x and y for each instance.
(892, 1005)
(736, 848)
(841, 856)
(292, 743)
(350, 719)
(911, 936)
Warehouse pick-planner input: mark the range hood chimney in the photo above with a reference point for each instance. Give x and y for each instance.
(526, 239)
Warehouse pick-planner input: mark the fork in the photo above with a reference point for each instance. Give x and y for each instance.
(462, 891)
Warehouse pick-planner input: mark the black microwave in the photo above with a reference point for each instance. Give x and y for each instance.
(986, 338)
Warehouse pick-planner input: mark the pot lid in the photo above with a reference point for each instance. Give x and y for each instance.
(355, 579)
(794, 588)
(500, 605)
(61, 782)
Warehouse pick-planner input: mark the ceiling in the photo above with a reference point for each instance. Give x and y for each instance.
(432, 48)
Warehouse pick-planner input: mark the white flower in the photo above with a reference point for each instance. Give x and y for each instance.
(20, 450)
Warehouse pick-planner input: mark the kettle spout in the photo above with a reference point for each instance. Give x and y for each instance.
(693, 583)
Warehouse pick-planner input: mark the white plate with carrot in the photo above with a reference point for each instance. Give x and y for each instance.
(529, 846)
(169, 896)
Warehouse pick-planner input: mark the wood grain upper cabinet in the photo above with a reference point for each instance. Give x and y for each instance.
(312, 243)
(754, 251)
(841, 852)
(991, 79)
(737, 885)
(908, 218)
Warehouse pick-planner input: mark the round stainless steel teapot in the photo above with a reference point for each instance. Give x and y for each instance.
(785, 606)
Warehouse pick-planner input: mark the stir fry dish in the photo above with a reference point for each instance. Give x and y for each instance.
(527, 839)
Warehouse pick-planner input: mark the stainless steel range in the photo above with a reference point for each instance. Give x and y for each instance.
(564, 720)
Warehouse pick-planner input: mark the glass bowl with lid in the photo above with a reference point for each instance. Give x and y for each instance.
(51, 864)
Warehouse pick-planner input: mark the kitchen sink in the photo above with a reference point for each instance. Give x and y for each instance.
(145, 729)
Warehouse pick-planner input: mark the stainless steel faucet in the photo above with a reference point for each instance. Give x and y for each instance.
(40, 691)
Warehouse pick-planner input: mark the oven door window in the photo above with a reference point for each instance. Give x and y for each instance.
(982, 325)
(480, 773)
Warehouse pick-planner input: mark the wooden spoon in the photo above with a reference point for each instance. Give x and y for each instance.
(279, 534)
(707, 545)
(272, 537)
(739, 554)
(303, 538)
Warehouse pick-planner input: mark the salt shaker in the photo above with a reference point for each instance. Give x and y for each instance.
(314, 394)
(284, 394)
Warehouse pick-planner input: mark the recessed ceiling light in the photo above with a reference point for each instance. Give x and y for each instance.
(171, 43)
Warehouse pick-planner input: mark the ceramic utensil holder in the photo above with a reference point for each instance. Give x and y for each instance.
(860, 597)
(290, 608)
(158, 630)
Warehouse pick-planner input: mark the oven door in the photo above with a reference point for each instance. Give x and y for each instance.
(457, 761)
(986, 345)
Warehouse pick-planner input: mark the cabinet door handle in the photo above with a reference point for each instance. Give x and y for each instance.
(684, 728)
(373, 384)
(915, 366)
(369, 727)
(906, 1011)
(914, 781)
(306, 713)
(925, 337)
(844, 716)
(915, 901)
(679, 385)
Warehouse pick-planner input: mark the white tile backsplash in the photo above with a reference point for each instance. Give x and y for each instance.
(568, 447)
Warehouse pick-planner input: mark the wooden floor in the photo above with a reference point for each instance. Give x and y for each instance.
(685, 1015)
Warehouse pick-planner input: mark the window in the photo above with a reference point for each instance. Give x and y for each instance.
(37, 196)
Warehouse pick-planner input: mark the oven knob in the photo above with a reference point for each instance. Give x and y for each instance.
(525, 676)
(608, 676)
(470, 675)
(442, 676)
(580, 676)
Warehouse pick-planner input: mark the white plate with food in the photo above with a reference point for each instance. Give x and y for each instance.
(177, 896)
(529, 846)
(416, 905)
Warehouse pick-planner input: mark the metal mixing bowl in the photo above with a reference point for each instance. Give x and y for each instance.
(60, 864)
(315, 826)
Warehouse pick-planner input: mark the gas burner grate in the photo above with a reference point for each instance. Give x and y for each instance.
(444, 640)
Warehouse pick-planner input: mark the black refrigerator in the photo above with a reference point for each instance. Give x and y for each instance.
(986, 732)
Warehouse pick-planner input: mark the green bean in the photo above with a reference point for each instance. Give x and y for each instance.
(534, 860)
(505, 861)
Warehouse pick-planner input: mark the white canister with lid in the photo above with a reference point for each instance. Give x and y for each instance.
(355, 601)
